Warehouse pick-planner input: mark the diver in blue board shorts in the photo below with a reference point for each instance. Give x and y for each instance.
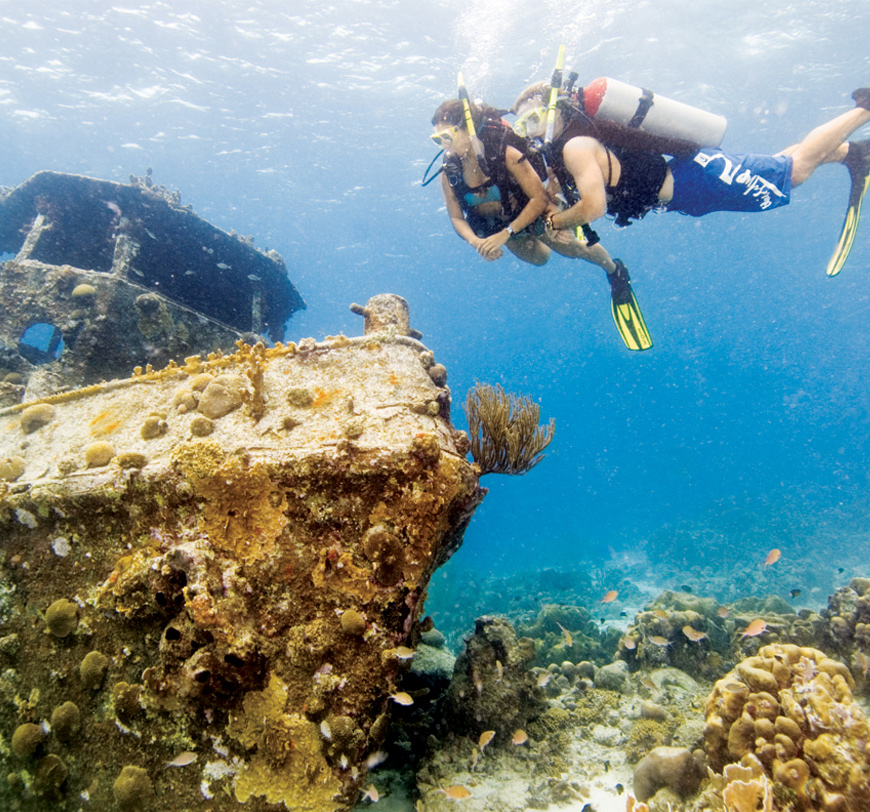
(713, 180)
(626, 183)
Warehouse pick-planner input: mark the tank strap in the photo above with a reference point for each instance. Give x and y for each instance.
(646, 101)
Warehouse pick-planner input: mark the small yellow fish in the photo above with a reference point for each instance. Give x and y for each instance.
(658, 640)
(648, 683)
(456, 792)
(567, 634)
(863, 662)
(182, 760)
(661, 613)
(723, 611)
(754, 629)
(544, 679)
(520, 737)
(693, 634)
(628, 643)
(610, 596)
(485, 738)
(371, 793)
(402, 698)
(403, 653)
(475, 757)
(499, 669)
(476, 679)
(772, 557)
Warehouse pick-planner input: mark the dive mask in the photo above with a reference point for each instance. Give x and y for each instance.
(532, 123)
(445, 137)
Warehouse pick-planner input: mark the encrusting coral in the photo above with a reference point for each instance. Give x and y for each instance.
(792, 708)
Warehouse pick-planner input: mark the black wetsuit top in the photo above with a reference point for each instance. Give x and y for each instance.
(640, 180)
(496, 137)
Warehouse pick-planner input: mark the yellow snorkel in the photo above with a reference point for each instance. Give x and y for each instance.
(555, 87)
(476, 144)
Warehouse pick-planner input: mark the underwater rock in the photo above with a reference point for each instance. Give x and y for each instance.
(792, 708)
(612, 677)
(26, 739)
(671, 767)
(218, 581)
(492, 687)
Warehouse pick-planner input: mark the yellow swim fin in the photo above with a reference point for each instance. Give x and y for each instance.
(626, 312)
(858, 163)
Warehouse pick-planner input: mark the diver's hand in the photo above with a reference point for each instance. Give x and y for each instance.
(490, 248)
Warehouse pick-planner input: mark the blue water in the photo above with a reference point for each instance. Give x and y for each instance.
(305, 125)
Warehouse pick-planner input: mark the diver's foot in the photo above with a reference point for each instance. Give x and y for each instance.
(857, 160)
(620, 289)
(862, 97)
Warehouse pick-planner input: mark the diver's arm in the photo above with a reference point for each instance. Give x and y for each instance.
(531, 184)
(581, 160)
(457, 219)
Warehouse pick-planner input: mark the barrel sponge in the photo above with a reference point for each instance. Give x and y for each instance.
(61, 617)
(26, 739)
(132, 788)
(808, 734)
(671, 767)
(36, 416)
(93, 669)
(66, 721)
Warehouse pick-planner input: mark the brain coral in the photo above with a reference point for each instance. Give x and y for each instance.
(793, 709)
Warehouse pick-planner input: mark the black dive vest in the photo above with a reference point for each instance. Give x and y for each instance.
(640, 180)
(496, 137)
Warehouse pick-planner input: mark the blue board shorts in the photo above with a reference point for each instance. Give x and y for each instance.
(713, 180)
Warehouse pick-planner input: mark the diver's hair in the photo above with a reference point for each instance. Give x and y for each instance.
(453, 113)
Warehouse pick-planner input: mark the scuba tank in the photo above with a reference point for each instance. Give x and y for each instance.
(609, 100)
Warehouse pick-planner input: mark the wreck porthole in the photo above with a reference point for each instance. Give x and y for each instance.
(41, 343)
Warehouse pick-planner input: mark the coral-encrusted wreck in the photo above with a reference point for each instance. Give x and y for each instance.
(245, 541)
(106, 276)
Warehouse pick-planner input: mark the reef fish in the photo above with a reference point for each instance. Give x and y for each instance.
(403, 653)
(661, 614)
(610, 596)
(520, 736)
(568, 641)
(182, 760)
(772, 557)
(456, 792)
(757, 627)
(499, 669)
(658, 640)
(485, 738)
(723, 611)
(693, 634)
(371, 793)
(629, 644)
(402, 698)
(794, 593)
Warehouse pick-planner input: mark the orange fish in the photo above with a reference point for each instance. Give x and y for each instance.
(371, 793)
(485, 738)
(772, 557)
(402, 698)
(754, 629)
(658, 640)
(629, 644)
(723, 611)
(183, 760)
(610, 596)
(520, 737)
(456, 792)
(567, 634)
(693, 634)
(661, 613)
(499, 669)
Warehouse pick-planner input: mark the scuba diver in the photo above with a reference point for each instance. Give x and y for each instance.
(494, 191)
(493, 186)
(621, 172)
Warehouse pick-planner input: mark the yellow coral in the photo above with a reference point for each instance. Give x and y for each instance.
(288, 765)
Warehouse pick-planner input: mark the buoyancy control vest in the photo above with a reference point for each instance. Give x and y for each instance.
(496, 136)
(641, 177)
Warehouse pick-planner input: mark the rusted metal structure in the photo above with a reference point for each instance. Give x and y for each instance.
(106, 276)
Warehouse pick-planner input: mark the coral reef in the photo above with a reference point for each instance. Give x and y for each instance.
(792, 708)
(235, 595)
